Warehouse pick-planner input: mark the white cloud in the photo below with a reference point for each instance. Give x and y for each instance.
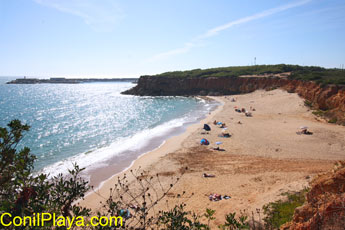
(99, 15)
(184, 49)
(266, 13)
(216, 30)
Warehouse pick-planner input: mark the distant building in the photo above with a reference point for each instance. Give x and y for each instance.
(57, 79)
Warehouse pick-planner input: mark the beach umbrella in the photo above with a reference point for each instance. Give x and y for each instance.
(219, 143)
(303, 127)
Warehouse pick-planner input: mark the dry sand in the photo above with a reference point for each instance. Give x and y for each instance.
(263, 158)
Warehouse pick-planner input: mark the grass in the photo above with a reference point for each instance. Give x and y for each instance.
(280, 212)
(320, 113)
(320, 75)
(323, 114)
(333, 120)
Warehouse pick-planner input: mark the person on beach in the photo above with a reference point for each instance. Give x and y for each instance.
(216, 148)
(224, 134)
(208, 175)
(217, 197)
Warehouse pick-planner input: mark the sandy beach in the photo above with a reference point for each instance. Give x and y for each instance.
(263, 158)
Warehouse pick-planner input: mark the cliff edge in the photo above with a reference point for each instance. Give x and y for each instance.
(325, 206)
(330, 98)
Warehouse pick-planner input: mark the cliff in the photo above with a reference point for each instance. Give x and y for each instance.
(329, 98)
(325, 206)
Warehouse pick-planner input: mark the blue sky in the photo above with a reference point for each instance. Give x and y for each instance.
(111, 38)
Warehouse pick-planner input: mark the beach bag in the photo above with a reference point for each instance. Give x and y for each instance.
(204, 142)
(207, 127)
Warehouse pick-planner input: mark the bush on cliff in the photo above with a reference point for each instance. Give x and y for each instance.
(280, 212)
(306, 73)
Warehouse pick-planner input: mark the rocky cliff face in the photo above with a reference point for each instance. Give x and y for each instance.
(329, 98)
(325, 206)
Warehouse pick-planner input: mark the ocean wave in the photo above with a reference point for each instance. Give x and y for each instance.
(99, 157)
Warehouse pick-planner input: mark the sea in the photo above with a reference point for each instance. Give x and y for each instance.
(93, 124)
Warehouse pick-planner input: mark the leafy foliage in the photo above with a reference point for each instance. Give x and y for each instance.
(178, 218)
(319, 112)
(308, 103)
(280, 212)
(333, 120)
(306, 73)
(22, 193)
(232, 223)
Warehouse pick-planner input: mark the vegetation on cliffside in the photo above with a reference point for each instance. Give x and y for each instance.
(307, 73)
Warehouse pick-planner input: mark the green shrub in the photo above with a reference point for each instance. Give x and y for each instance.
(333, 120)
(320, 75)
(178, 218)
(232, 223)
(280, 212)
(319, 112)
(308, 103)
(23, 194)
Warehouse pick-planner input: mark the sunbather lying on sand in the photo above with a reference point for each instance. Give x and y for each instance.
(208, 175)
(135, 207)
(216, 148)
(224, 135)
(248, 114)
(305, 131)
(217, 197)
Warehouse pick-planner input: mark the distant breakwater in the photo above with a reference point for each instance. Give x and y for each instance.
(330, 98)
(69, 80)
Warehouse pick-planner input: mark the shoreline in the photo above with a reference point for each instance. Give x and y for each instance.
(102, 163)
(263, 158)
(168, 145)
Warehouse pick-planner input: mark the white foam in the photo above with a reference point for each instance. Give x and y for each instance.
(98, 157)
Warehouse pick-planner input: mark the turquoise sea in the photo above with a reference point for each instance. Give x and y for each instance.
(92, 124)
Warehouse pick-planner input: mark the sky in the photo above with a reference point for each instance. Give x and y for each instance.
(130, 38)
